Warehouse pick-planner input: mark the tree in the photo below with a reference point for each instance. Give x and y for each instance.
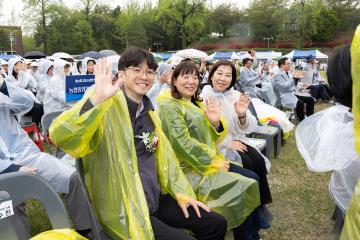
(183, 15)
(223, 18)
(347, 11)
(266, 17)
(102, 24)
(39, 10)
(326, 23)
(88, 5)
(129, 30)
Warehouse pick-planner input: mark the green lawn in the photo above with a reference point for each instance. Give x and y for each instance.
(301, 206)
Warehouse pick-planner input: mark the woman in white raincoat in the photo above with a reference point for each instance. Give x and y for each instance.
(87, 65)
(19, 75)
(45, 72)
(17, 149)
(222, 79)
(54, 99)
(326, 139)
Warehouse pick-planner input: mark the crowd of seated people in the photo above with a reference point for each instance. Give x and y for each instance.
(174, 144)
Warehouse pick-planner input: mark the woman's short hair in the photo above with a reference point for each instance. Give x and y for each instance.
(134, 56)
(339, 76)
(185, 67)
(223, 63)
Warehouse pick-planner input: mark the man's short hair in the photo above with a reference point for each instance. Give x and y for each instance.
(282, 61)
(245, 60)
(134, 56)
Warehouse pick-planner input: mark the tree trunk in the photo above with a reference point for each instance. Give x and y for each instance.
(183, 32)
(43, 20)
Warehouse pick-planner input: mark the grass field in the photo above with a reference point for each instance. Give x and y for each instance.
(301, 206)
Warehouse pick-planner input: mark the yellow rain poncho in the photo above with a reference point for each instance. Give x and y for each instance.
(351, 228)
(59, 234)
(103, 137)
(194, 142)
(355, 73)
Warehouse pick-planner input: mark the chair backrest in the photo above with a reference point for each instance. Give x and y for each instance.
(98, 233)
(48, 118)
(25, 186)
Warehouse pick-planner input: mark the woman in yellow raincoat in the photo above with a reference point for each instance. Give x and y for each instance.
(193, 132)
(99, 129)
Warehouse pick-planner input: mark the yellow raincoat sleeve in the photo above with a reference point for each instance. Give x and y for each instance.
(171, 177)
(198, 155)
(351, 229)
(355, 73)
(71, 131)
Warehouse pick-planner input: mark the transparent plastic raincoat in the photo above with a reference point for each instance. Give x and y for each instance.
(25, 79)
(227, 100)
(16, 147)
(326, 142)
(54, 98)
(103, 137)
(43, 78)
(194, 142)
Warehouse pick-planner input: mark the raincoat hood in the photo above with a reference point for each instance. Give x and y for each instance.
(323, 137)
(164, 68)
(59, 67)
(12, 63)
(46, 65)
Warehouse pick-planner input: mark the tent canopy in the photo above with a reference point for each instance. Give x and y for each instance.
(225, 55)
(6, 57)
(268, 55)
(299, 54)
(192, 53)
(166, 56)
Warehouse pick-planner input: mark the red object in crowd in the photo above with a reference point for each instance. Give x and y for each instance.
(32, 128)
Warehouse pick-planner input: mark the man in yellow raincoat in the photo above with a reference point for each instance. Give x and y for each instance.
(136, 185)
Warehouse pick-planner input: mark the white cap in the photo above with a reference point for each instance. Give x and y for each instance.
(34, 64)
(3, 62)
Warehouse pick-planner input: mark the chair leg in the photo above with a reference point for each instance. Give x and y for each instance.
(268, 148)
(277, 143)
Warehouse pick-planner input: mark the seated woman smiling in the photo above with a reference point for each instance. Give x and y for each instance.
(193, 130)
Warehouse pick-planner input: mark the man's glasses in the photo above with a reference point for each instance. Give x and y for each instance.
(140, 72)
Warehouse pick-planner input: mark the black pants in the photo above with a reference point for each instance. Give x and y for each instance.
(321, 91)
(36, 113)
(300, 105)
(169, 221)
(249, 230)
(253, 161)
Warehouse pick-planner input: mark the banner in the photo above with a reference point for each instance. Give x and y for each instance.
(76, 86)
